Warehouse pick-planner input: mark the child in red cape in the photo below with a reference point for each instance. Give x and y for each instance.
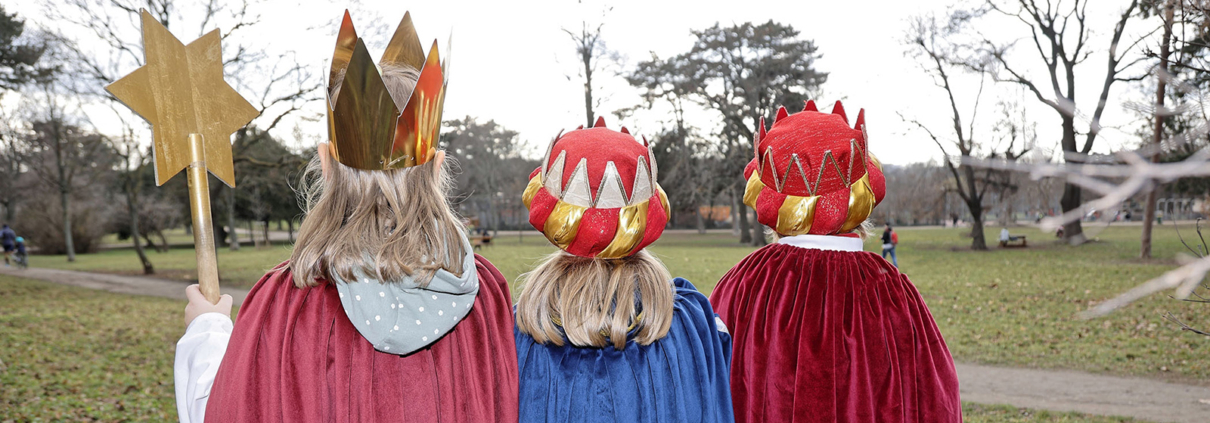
(823, 331)
(383, 313)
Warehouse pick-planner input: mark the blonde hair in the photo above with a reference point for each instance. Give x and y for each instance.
(595, 302)
(386, 223)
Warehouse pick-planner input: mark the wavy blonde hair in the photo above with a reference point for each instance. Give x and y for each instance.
(596, 302)
(387, 223)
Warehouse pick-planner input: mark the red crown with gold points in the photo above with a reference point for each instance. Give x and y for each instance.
(369, 129)
(596, 195)
(813, 174)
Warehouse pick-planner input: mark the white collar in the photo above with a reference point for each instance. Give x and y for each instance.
(824, 242)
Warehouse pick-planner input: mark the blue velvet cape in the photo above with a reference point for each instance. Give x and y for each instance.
(683, 377)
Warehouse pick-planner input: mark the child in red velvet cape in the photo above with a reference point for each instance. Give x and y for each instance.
(823, 331)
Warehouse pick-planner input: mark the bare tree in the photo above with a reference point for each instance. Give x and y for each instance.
(1159, 115)
(64, 152)
(280, 82)
(928, 42)
(1061, 38)
(590, 50)
(133, 161)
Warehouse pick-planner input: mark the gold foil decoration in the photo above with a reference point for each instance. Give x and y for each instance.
(632, 226)
(368, 128)
(563, 224)
(861, 204)
(664, 201)
(753, 190)
(180, 91)
(535, 184)
(796, 215)
(405, 48)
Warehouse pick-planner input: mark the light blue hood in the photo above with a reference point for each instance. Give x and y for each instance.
(400, 317)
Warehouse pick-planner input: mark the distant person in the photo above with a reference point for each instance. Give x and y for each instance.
(1004, 235)
(22, 261)
(889, 240)
(8, 238)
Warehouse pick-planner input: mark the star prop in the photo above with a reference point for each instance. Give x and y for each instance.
(181, 91)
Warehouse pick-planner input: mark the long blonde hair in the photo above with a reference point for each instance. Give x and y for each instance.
(387, 223)
(595, 302)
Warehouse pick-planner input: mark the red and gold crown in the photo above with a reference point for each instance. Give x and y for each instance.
(369, 129)
(813, 174)
(596, 194)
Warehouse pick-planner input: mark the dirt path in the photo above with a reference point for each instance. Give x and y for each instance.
(121, 284)
(1056, 390)
(1063, 390)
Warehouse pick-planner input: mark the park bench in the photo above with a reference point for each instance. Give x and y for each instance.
(481, 241)
(1014, 241)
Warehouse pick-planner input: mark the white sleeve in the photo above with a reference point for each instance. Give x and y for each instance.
(198, 355)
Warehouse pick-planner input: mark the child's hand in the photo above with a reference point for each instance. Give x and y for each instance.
(199, 305)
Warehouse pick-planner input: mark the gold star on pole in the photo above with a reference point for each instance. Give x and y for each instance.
(192, 112)
(181, 91)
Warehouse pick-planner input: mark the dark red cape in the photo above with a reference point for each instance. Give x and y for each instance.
(830, 336)
(295, 357)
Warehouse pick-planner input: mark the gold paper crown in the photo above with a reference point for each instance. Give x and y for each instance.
(368, 128)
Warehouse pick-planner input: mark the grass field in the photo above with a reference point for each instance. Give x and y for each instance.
(1004, 307)
(71, 354)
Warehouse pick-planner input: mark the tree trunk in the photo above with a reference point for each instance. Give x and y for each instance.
(734, 217)
(232, 237)
(758, 233)
(745, 234)
(1149, 211)
(268, 243)
(1073, 232)
(701, 222)
(10, 213)
(164, 240)
(290, 229)
(132, 206)
(588, 86)
(978, 241)
(65, 201)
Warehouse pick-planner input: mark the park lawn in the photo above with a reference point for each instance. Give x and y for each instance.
(1012, 307)
(72, 354)
(982, 413)
(236, 268)
(1017, 307)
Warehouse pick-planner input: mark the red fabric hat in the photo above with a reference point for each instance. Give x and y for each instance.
(593, 196)
(813, 173)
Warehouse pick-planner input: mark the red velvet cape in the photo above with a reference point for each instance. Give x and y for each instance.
(295, 357)
(832, 336)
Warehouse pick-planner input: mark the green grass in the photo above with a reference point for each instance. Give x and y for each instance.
(1017, 307)
(72, 354)
(236, 268)
(980, 413)
(1011, 307)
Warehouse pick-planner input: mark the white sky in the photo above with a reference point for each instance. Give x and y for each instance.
(511, 61)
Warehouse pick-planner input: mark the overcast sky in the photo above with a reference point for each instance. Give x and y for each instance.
(511, 61)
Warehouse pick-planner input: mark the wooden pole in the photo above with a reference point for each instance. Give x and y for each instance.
(203, 228)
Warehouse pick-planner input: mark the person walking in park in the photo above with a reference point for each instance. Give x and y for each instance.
(824, 331)
(382, 313)
(890, 239)
(604, 333)
(8, 239)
